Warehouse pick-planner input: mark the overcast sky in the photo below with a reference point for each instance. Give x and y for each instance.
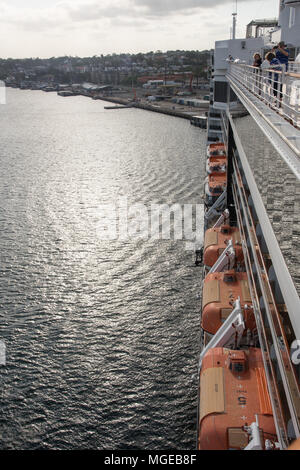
(46, 28)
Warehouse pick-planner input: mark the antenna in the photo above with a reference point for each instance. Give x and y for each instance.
(234, 18)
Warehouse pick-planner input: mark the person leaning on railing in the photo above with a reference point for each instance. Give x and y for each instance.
(275, 65)
(257, 61)
(282, 54)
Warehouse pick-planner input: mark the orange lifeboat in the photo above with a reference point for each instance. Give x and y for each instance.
(216, 165)
(215, 184)
(295, 445)
(217, 149)
(215, 242)
(233, 391)
(220, 291)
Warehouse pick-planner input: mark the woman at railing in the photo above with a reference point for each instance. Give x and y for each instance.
(257, 61)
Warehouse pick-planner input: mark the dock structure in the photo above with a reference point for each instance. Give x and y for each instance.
(118, 107)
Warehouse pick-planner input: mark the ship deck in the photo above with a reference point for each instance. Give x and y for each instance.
(264, 188)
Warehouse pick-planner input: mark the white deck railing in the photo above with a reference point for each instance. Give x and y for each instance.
(280, 90)
(294, 67)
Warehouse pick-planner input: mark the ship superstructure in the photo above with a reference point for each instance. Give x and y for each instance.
(249, 367)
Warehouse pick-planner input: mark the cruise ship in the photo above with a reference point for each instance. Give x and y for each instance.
(249, 366)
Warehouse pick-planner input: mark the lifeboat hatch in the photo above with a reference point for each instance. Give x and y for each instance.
(237, 362)
(237, 438)
(226, 230)
(229, 277)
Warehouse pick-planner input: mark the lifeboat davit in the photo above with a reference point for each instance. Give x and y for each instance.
(220, 290)
(233, 393)
(216, 240)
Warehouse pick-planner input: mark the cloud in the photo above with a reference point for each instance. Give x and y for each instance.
(92, 26)
(84, 11)
(146, 9)
(32, 19)
(66, 13)
(81, 11)
(170, 7)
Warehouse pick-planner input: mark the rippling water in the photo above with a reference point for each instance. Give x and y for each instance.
(102, 337)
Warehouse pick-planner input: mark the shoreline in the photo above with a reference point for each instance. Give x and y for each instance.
(149, 107)
(164, 107)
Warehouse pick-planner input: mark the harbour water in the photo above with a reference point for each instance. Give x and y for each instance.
(102, 337)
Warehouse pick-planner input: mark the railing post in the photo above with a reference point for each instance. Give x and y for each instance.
(297, 107)
(285, 92)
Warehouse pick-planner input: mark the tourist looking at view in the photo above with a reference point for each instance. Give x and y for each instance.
(282, 54)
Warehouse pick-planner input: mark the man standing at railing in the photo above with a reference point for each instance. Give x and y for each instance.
(274, 77)
(282, 54)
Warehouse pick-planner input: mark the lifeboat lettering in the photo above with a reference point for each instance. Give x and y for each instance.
(242, 400)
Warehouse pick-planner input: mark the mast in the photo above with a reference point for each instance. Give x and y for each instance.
(234, 19)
